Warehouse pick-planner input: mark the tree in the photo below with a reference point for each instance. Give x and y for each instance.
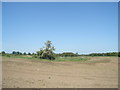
(13, 52)
(17, 52)
(29, 53)
(68, 54)
(20, 53)
(3, 52)
(33, 53)
(47, 51)
(118, 54)
(24, 53)
(77, 54)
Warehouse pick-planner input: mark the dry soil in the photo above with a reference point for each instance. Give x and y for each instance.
(98, 72)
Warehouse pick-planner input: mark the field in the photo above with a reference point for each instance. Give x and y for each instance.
(88, 72)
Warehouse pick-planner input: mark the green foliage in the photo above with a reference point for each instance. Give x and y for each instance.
(34, 55)
(16, 53)
(20, 53)
(118, 54)
(67, 54)
(57, 59)
(105, 54)
(29, 53)
(13, 52)
(78, 58)
(8, 55)
(3, 52)
(24, 53)
(47, 51)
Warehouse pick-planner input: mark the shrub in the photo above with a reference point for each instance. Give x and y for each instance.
(47, 51)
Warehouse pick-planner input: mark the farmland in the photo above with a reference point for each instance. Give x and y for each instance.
(59, 44)
(70, 72)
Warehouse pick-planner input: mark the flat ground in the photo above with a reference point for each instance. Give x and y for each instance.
(98, 72)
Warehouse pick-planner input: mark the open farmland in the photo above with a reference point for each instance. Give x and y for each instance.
(97, 72)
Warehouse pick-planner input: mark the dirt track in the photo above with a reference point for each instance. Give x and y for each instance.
(98, 72)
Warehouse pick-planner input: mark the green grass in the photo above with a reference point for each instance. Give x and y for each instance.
(58, 59)
(17, 56)
(71, 59)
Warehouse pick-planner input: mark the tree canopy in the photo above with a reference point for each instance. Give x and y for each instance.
(47, 51)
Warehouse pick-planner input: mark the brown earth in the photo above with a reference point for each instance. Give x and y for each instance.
(98, 72)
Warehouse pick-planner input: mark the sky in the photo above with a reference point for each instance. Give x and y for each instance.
(79, 27)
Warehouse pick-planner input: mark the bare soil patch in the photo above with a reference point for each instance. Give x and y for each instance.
(98, 72)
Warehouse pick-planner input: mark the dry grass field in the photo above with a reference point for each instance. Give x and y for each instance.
(98, 72)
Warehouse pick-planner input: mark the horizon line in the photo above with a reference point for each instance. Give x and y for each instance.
(64, 52)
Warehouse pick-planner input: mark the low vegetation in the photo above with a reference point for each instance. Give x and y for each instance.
(47, 53)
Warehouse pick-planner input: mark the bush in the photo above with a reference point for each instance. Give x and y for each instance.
(50, 57)
(47, 51)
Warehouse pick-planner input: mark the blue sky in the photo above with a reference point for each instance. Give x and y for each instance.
(72, 27)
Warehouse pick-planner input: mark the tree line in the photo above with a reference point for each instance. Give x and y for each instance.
(105, 54)
(47, 52)
(67, 54)
(64, 54)
(16, 53)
